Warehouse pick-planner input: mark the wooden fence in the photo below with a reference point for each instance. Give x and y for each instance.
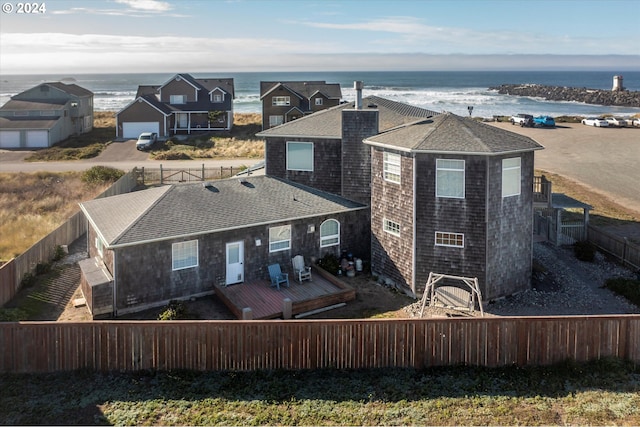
(628, 253)
(12, 273)
(314, 344)
(163, 175)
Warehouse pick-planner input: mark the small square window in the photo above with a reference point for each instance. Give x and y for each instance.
(279, 238)
(318, 101)
(184, 255)
(300, 156)
(391, 227)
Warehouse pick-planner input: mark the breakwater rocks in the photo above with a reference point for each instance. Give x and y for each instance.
(621, 98)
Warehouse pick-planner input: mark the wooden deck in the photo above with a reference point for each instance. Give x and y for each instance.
(267, 302)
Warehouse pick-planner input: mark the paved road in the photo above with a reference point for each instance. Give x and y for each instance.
(607, 160)
(120, 155)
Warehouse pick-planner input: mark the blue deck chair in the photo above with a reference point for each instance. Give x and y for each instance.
(277, 276)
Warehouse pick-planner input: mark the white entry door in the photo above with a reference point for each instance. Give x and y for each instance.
(235, 263)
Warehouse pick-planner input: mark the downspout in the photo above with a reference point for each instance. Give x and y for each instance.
(414, 286)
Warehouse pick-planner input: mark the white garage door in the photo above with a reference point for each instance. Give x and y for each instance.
(10, 139)
(134, 129)
(37, 138)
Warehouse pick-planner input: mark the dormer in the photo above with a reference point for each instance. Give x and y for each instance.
(217, 96)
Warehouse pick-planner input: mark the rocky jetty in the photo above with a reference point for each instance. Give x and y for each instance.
(621, 98)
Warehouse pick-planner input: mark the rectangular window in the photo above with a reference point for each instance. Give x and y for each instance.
(281, 100)
(318, 101)
(217, 98)
(275, 120)
(279, 238)
(99, 247)
(391, 166)
(177, 99)
(300, 156)
(455, 240)
(511, 177)
(450, 178)
(184, 255)
(391, 227)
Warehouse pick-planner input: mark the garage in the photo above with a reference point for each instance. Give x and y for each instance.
(37, 138)
(10, 139)
(134, 129)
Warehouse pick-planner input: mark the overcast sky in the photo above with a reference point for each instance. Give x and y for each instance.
(116, 36)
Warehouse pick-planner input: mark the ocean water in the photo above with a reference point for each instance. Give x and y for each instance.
(439, 91)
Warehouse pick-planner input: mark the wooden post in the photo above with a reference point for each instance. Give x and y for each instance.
(161, 174)
(203, 172)
(287, 308)
(247, 313)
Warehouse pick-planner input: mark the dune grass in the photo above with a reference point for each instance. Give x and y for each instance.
(34, 204)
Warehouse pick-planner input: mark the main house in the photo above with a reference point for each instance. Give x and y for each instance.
(181, 105)
(411, 190)
(45, 114)
(283, 102)
(446, 193)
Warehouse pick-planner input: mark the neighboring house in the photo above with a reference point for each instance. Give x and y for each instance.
(283, 102)
(181, 105)
(174, 242)
(447, 194)
(45, 114)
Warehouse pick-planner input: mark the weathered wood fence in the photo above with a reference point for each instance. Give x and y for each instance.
(314, 344)
(163, 175)
(628, 253)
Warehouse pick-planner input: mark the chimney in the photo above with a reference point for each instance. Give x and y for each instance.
(357, 85)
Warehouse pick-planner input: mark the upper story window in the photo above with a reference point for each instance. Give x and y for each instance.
(455, 240)
(74, 104)
(329, 233)
(450, 178)
(299, 156)
(279, 238)
(184, 255)
(281, 100)
(177, 99)
(276, 120)
(99, 247)
(391, 227)
(318, 101)
(511, 177)
(217, 97)
(391, 167)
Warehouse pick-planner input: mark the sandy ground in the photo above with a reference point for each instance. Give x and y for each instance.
(606, 160)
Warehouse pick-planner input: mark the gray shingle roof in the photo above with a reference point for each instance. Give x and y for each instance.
(328, 123)
(449, 133)
(305, 89)
(192, 209)
(33, 104)
(71, 88)
(27, 122)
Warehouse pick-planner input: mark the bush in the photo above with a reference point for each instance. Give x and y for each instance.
(28, 280)
(175, 310)
(329, 263)
(58, 253)
(101, 175)
(628, 288)
(13, 315)
(43, 268)
(585, 251)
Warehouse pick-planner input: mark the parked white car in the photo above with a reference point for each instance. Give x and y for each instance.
(146, 140)
(617, 122)
(595, 121)
(635, 122)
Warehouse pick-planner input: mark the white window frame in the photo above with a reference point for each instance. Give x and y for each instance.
(275, 121)
(308, 160)
(177, 99)
(279, 238)
(319, 101)
(329, 239)
(511, 177)
(217, 98)
(182, 252)
(281, 101)
(446, 171)
(451, 240)
(391, 227)
(391, 165)
(99, 247)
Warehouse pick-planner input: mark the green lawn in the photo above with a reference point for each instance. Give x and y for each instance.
(598, 393)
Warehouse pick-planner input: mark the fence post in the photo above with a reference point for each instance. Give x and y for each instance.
(161, 174)
(287, 308)
(203, 172)
(247, 313)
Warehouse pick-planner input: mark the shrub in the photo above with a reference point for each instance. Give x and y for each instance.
(58, 253)
(329, 263)
(13, 315)
(43, 268)
(175, 310)
(628, 288)
(101, 175)
(585, 251)
(28, 280)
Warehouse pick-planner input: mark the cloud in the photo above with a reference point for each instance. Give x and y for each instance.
(146, 5)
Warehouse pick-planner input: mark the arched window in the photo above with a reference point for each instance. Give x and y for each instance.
(329, 233)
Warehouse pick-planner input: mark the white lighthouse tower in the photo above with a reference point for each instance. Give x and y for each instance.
(617, 84)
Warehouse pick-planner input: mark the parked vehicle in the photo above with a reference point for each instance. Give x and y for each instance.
(595, 121)
(635, 122)
(617, 122)
(524, 120)
(546, 121)
(146, 140)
